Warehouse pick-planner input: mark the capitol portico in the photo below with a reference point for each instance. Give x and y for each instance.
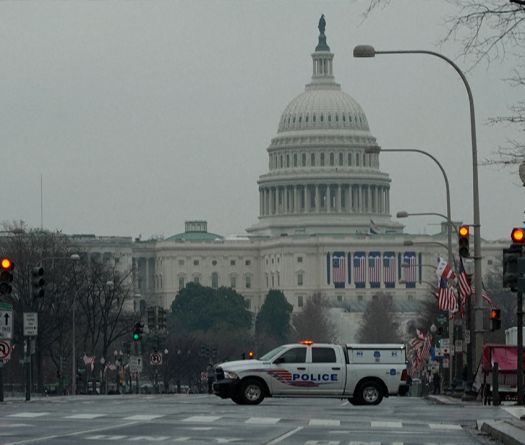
(324, 223)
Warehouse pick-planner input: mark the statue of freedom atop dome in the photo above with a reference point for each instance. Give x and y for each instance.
(322, 46)
(322, 24)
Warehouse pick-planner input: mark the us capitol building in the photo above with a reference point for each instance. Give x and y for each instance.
(324, 223)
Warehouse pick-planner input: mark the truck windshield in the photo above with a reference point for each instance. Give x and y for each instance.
(270, 355)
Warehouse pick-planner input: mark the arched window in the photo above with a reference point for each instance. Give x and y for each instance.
(329, 118)
(312, 159)
(350, 159)
(321, 163)
(313, 118)
(304, 160)
(295, 159)
(340, 158)
(287, 161)
(322, 117)
(332, 160)
(357, 159)
(306, 118)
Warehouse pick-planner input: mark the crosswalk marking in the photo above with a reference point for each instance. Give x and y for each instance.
(28, 415)
(201, 419)
(324, 422)
(84, 416)
(263, 420)
(143, 417)
(386, 424)
(444, 426)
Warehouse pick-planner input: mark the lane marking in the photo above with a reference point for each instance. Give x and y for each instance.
(143, 417)
(76, 433)
(84, 416)
(27, 415)
(386, 425)
(181, 439)
(201, 419)
(324, 422)
(444, 426)
(263, 420)
(201, 428)
(284, 436)
(105, 437)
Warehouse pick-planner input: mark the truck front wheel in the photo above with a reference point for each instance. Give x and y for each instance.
(238, 400)
(252, 392)
(369, 393)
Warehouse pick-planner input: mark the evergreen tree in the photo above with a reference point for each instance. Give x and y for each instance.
(379, 323)
(272, 326)
(314, 322)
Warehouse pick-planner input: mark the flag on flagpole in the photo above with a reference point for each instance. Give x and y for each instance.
(465, 289)
(444, 270)
(446, 297)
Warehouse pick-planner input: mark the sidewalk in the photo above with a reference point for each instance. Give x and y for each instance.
(509, 431)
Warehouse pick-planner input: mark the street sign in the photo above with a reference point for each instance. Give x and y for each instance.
(155, 359)
(467, 336)
(5, 349)
(135, 363)
(30, 324)
(444, 342)
(6, 320)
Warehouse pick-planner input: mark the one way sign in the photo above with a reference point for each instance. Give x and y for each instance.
(6, 320)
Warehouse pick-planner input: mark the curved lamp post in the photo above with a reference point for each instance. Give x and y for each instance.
(369, 51)
(447, 187)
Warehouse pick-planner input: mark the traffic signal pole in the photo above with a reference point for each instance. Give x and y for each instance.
(519, 323)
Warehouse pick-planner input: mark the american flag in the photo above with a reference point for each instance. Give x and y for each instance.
(339, 269)
(360, 269)
(389, 269)
(445, 270)
(419, 350)
(446, 297)
(409, 259)
(465, 290)
(374, 269)
(486, 297)
(89, 361)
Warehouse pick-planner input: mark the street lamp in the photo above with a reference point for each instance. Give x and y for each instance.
(447, 187)
(369, 51)
(405, 214)
(75, 257)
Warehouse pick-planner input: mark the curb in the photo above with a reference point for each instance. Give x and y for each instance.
(503, 431)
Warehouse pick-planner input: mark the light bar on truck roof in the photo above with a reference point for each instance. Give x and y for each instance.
(307, 342)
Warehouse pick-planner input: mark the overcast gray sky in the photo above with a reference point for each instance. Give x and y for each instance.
(140, 115)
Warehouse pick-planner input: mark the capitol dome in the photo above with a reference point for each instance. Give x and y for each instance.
(323, 107)
(324, 174)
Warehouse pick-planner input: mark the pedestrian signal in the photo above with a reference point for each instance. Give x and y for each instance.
(495, 319)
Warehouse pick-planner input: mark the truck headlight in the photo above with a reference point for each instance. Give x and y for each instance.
(230, 375)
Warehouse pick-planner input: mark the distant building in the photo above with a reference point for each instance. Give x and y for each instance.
(324, 223)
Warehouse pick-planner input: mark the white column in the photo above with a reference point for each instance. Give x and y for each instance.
(317, 199)
(285, 199)
(338, 199)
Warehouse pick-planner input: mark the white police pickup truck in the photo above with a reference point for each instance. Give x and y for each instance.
(363, 373)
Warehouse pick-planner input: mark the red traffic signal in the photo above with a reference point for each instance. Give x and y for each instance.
(495, 319)
(518, 235)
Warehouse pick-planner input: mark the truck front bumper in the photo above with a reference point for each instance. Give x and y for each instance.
(226, 388)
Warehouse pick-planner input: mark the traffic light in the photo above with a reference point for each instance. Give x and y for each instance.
(511, 257)
(138, 330)
(495, 319)
(463, 241)
(6, 276)
(152, 319)
(161, 318)
(38, 282)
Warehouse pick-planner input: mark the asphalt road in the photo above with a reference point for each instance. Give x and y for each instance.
(204, 419)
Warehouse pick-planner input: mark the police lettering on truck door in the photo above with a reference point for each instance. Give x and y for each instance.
(287, 370)
(326, 369)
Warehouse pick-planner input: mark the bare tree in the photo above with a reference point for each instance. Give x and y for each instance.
(488, 31)
(314, 321)
(379, 323)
